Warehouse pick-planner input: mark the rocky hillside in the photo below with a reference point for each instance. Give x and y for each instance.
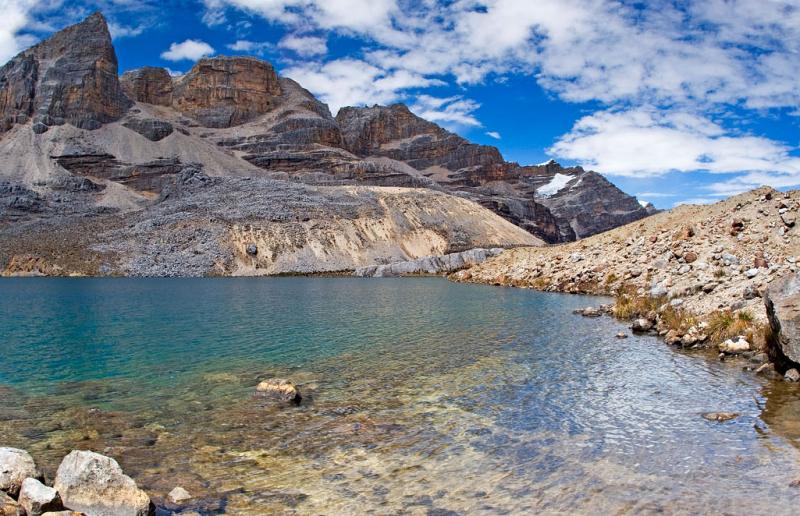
(81, 144)
(704, 261)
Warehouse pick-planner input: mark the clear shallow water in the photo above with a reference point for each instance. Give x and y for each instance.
(422, 396)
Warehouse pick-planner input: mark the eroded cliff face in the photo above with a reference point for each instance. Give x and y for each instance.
(226, 91)
(69, 78)
(149, 84)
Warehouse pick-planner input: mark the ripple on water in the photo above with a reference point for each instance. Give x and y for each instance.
(420, 396)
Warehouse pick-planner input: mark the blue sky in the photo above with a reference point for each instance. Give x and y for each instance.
(675, 101)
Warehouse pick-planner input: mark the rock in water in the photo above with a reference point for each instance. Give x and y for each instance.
(71, 77)
(179, 495)
(95, 484)
(720, 416)
(733, 347)
(15, 466)
(782, 301)
(641, 325)
(792, 375)
(37, 498)
(277, 389)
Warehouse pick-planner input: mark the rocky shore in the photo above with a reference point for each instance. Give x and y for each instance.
(696, 275)
(429, 265)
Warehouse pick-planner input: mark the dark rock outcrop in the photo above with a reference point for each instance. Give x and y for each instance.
(585, 204)
(226, 91)
(151, 128)
(782, 301)
(70, 77)
(150, 85)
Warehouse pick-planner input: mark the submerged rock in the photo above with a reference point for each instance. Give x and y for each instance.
(278, 389)
(720, 416)
(179, 495)
(15, 466)
(36, 498)
(95, 484)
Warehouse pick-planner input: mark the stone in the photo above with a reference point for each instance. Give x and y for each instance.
(251, 249)
(760, 263)
(792, 375)
(782, 301)
(658, 291)
(751, 273)
(734, 346)
(39, 128)
(179, 495)
(9, 506)
(720, 417)
(641, 325)
(590, 311)
(277, 389)
(15, 466)
(690, 257)
(709, 287)
(767, 370)
(70, 77)
(226, 91)
(789, 219)
(152, 129)
(95, 484)
(750, 292)
(622, 335)
(37, 498)
(673, 337)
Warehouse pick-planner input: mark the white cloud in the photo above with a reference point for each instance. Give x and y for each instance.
(349, 82)
(191, 49)
(697, 200)
(121, 31)
(452, 112)
(253, 47)
(647, 142)
(16, 16)
(493, 134)
(306, 46)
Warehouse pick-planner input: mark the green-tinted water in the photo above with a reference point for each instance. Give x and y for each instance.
(422, 397)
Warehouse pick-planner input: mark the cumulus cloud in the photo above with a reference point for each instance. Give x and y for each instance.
(349, 82)
(191, 50)
(305, 46)
(452, 112)
(650, 142)
(16, 16)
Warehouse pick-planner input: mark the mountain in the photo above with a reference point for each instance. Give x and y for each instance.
(91, 160)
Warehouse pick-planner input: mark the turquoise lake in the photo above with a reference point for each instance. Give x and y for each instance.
(421, 396)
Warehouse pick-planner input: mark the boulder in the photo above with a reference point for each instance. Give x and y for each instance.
(179, 495)
(641, 325)
(278, 389)
(15, 466)
(782, 300)
(792, 375)
(95, 484)
(734, 346)
(9, 506)
(36, 498)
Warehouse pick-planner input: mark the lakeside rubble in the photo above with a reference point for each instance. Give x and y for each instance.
(698, 276)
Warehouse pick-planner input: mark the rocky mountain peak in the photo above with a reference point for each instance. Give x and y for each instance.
(69, 78)
(149, 84)
(226, 91)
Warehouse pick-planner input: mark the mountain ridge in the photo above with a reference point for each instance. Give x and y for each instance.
(90, 141)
